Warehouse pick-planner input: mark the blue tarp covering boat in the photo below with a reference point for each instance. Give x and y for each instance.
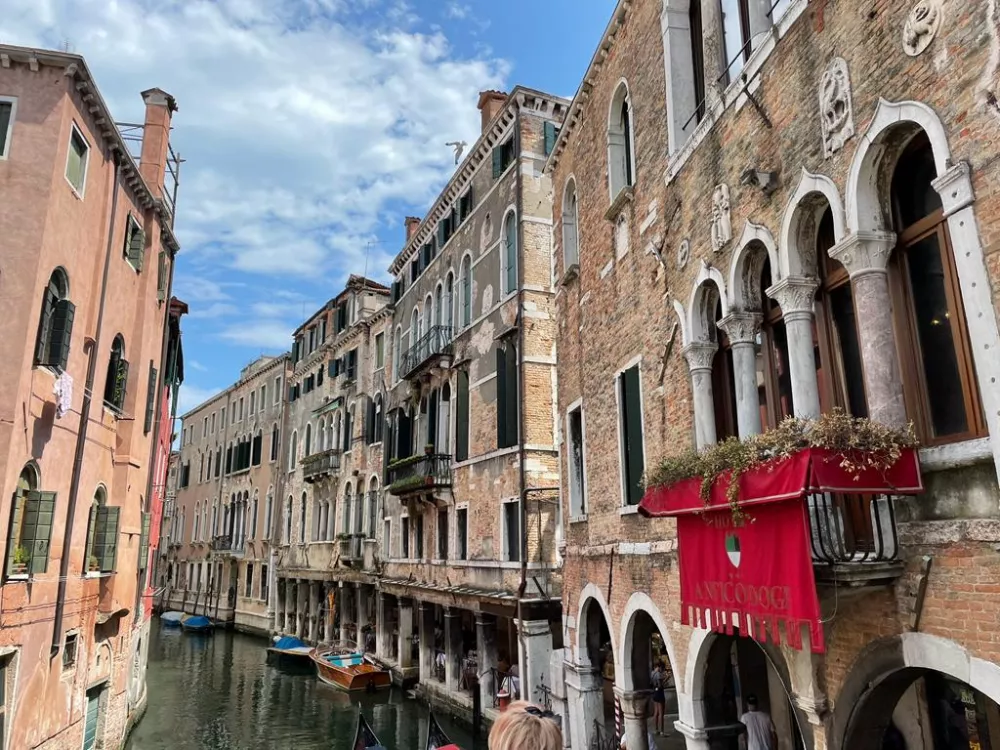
(289, 649)
(197, 624)
(287, 642)
(171, 619)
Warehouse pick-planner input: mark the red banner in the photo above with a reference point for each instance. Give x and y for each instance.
(759, 576)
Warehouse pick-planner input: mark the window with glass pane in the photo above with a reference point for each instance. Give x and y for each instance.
(736, 35)
(76, 161)
(461, 533)
(6, 115)
(512, 530)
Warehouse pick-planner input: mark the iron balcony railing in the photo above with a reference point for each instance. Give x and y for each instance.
(222, 542)
(419, 473)
(435, 343)
(350, 547)
(852, 528)
(320, 464)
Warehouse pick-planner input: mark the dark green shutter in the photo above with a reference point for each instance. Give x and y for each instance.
(369, 420)
(144, 542)
(106, 538)
(121, 385)
(36, 530)
(501, 382)
(443, 232)
(150, 400)
(61, 331)
(16, 511)
(462, 417)
(551, 133)
(161, 277)
(497, 161)
(632, 435)
(49, 300)
(135, 243)
(510, 374)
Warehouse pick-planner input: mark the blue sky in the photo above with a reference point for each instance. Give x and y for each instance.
(310, 128)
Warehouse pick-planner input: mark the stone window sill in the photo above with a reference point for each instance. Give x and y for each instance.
(624, 197)
(582, 518)
(573, 272)
(955, 455)
(628, 510)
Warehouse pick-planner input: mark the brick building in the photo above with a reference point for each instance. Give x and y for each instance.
(228, 472)
(770, 210)
(86, 272)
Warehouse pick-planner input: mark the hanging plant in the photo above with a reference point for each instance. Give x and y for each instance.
(858, 443)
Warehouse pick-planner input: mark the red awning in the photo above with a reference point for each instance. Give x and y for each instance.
(812, 470)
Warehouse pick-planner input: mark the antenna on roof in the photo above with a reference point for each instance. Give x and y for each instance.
(66, 46)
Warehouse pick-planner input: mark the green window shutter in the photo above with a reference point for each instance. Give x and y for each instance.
(150, 400)
(550, 137)
(161, 277)
(462, 417)
(16, 512)
(501, 397)
(36, 529)
(497, 161)
(61, 332)
(135, 244)
(121, 385)
(442, 232)
(510, 375)
(49, 300)
(144, 542)
(106, 538)
(632, 435)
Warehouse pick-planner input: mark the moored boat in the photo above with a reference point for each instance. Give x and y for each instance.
(197, 624)
(436, 738)
(364, 738)
(288, 648)
(349, 671)
(171, 619)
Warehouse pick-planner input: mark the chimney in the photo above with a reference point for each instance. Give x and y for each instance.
(160, 106)
(412, 225)
(490, 104)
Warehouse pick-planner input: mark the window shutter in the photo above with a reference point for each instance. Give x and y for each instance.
(319, 377)
(370, 421)
(136, 246)
(550, 137)
(462, 417)
(49, 300)
(291, 393)
(258, 443)
(36, 528)
(443, 232)
(61, 332)
(144, 542)
(121, 385)
(150, 400)
(16, 511)
(161, 277)
(512, 404)
(634, 463)
(497, 161)
(332, 368)
(106, 538)
(501, 398)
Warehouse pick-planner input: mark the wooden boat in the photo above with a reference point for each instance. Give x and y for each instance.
(349, 671)
(364, 738)
(289, 649)
(436, 738)
(197, 624)
(171, 619)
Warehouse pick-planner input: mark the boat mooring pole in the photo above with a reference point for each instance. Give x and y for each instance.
(477, 716)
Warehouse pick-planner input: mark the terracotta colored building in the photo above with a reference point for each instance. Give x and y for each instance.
(86, 323)
(774, 209)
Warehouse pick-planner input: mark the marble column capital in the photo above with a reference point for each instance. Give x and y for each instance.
(795, 295)
(955, 188)
(864, 252)
(634, 702)
(699, 354)
(741, 327)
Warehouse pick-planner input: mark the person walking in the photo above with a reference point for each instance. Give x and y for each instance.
(760, 734)
(659, 680)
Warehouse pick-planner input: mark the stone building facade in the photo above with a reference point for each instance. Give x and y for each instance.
(89, 330)
(218, 559)
(772, 212)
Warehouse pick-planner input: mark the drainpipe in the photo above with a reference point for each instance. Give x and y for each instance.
(81, 435)
(522, 479)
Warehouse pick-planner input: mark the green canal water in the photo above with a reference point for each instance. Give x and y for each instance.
(217, 693)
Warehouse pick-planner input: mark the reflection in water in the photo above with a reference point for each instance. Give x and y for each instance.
(217, 693)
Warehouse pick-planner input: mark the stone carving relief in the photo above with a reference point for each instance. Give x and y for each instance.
(621, 234)
(683, 253)
(486, 236)
(836, 110)
(921, 26)
(487, 299)
(722, 226)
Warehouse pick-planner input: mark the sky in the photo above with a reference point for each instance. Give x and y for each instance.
(309, 129)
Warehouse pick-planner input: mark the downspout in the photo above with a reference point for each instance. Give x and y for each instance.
(81, 436)
(522, 474)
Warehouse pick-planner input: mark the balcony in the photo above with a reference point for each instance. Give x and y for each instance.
(853, 538)
(222, 543)
(420, 474)
(320, 465)
(350, 547)
(431, 348)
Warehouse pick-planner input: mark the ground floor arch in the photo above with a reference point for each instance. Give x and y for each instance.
(592, 676)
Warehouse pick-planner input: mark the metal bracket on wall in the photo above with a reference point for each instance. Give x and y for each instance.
(918, 601)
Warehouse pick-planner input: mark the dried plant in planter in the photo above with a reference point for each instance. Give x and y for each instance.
(859, 443)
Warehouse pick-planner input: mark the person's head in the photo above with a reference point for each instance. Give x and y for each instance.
(752, 702)
(524, 726)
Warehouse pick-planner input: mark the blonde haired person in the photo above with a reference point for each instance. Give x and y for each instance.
(525, 727)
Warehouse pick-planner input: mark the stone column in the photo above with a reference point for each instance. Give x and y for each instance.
(536, 644)
(699, 356)
(362, 609)
(405, 633)
(381, 626)
(585, 696)
(300, 609)
(865, 255)
(328, 619)
(279, 618)
(796, 295)
(342, 593)
(714, 50)
(425, 628)
(742, 328)
(314, 610)
(486, 650)
(557, 681)
(634, 703)
(453, 648)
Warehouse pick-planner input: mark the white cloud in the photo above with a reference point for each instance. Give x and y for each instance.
(196, 365)
(457, 10)
(212, 310)
(266, 335)
(191, 396)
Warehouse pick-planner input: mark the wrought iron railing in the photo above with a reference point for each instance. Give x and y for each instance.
(439, 665)
(419, 472)
(350, 547)
(436, 342)
(320, 464)
(603, 739)
(222, 542)
(496, 680)
(852, 528)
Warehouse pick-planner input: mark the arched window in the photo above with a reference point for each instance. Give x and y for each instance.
(439, 305)
(397, 344)
(116, 384)
(321, 435)
(56, 327)
(939, 385)
(268, 513)
(317, 520)
(349, 429)
(348, 501)
(337, 432)
(252, 534)
(287, 538)
(308, 443)
(197, 522)
(372, 514)
(465, 292)
(293, 451)
(509, 252)
(96, 546)
(449, 295)
(302, 518)
(620, 157)
(377, 428)
(427, 316)
(570, 237)
(275, 442)
(444, 420)
(414, 326)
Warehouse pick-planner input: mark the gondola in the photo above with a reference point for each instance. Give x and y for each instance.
(436, 738)
(365, 738)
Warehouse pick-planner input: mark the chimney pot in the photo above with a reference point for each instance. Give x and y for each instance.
(490, 104)
(412, 225)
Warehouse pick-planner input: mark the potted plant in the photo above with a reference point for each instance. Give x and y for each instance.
(21, 560)
(93, 565)
(428, 449)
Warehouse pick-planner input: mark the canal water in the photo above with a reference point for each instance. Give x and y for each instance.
(217, 693)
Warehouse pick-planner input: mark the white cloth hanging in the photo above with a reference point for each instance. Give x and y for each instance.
(63, 390)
